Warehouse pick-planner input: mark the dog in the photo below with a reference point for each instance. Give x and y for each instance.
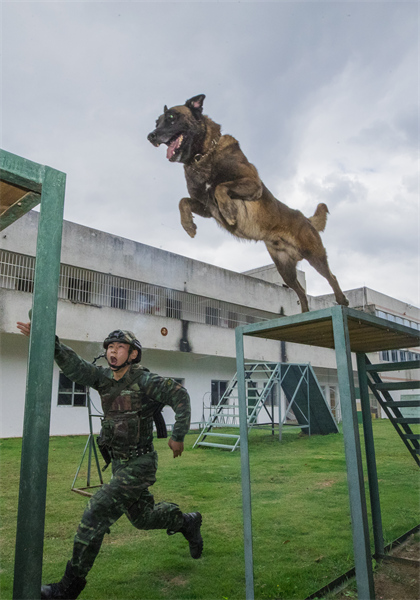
(223, 184)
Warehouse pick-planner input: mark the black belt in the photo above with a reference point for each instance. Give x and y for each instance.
(131, 452)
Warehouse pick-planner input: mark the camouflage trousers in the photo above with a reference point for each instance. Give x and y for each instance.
(127, 493)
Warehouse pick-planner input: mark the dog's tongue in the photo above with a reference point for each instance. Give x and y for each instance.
(173, 146)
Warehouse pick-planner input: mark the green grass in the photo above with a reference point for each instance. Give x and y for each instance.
(301, 520)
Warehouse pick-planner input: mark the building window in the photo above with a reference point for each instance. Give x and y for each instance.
(70, 393)
(118, 298)
(25, 284)
(396, 319)
(147, 304)
(398, 355)
(78, 290)
(218, 388)
(173, 308)
(232, 319)
(212, 316)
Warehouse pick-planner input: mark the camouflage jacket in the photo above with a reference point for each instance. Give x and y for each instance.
(128, 404)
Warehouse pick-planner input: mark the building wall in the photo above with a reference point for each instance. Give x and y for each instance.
(211, 349)
(196, 371)
(99, 251)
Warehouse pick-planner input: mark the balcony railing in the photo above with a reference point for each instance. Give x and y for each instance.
(83, 286)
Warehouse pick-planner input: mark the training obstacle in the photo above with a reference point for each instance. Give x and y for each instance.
(23, 185)
(301, 389)
(345, 330)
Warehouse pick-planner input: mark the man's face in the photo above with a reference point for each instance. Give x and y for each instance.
(117, 353)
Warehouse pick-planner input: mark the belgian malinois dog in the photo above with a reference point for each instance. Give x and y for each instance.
(222, 184)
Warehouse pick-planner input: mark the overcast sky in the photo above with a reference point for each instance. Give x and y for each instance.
(323, 97)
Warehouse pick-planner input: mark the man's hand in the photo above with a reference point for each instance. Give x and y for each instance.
(176, 447)
(24, 328)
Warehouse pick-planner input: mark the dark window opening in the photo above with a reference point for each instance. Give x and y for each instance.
(212, 316)
(79, 290)
(118, 298)
(24, 284)
(218, 388)
(173, 308)
(70, 393)
(232, 319)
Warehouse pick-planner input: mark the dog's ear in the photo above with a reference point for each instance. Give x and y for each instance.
(196, 103)
(165, 109)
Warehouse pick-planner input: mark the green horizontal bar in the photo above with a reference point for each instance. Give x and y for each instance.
(401, 385)
(20, 171)
(407, 420)
(215, 445)
(308, 317)
(403, 403)
(224, 435)
(397, 366)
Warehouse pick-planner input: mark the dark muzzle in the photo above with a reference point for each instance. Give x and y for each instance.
(152, 137)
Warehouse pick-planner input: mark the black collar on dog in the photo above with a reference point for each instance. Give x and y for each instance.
(199, 157)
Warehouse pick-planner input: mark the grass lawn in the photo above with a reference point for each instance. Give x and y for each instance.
(301, 519)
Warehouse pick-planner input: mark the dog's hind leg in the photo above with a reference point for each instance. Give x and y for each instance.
(187, 207)
(320, 263)
(286, 266)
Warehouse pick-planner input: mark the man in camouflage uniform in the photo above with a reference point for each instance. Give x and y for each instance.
(130, 395)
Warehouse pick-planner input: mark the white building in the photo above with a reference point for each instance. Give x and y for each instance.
(183, 311)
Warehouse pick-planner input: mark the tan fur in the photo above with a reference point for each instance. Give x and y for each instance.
(319, 218)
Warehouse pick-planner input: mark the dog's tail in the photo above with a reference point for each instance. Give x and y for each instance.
(319, 218)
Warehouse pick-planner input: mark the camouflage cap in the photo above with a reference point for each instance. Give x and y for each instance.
(123, 336)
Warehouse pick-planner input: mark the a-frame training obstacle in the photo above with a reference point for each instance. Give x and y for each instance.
(304, 397)
(23, 185)
(346, 330)
(92, 452)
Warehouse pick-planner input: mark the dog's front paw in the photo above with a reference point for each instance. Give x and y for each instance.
(231, 221)
(190, 228)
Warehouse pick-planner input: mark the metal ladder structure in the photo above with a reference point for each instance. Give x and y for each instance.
(392, 408)
(303, 393)
(260, 379)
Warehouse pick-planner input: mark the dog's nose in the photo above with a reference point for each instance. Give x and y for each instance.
(152, 138)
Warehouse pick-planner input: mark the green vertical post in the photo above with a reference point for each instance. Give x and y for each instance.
(370, 455)
(34, 461)
(358, 512)
(245, 470)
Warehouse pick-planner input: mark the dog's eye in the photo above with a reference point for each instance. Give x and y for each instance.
(170, 117)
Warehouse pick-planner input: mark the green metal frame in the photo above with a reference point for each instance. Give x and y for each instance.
(386, 335)
(47, 186)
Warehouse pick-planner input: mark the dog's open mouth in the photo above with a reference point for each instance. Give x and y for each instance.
(173, 147)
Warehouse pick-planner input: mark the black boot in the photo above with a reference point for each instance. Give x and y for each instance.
(191, 532)
(68, 588)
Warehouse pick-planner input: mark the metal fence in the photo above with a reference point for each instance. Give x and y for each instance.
(99, 289)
